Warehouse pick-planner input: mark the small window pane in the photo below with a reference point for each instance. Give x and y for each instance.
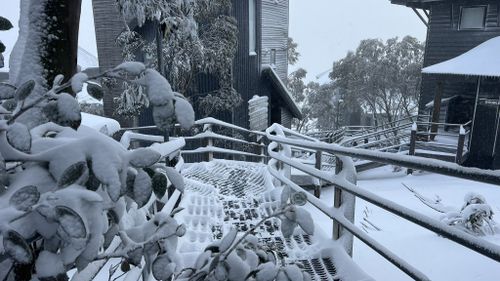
(472, 17)
(252, 26)
(273, 56)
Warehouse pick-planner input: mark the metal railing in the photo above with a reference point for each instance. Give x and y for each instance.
(344, 182)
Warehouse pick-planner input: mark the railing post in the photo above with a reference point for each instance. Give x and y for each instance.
(460, 146)
(344, 198)
(263, 149)
(413, 142)
(317, 165)
(210, 142)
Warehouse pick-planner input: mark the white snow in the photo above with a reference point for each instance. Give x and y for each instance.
(483, 60)
(98, 123)
(77, 81)
(132, 67)
(437, 257)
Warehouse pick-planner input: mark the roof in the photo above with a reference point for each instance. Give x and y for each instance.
(483, 60)
(280, 87)
(418, 4)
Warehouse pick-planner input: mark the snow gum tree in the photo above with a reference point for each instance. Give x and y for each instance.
(383, 76)
(197, 38)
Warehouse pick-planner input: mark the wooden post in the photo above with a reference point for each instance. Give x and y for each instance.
(210, 143)
(460, 146)
(413, 141)
(337, 200)
(317, 165)
(436, 110)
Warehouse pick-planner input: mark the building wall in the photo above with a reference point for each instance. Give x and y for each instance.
(446, 41)
(275, 17)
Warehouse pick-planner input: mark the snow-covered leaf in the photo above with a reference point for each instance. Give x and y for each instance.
(5, 24)
(159, 182)
(6, 91)
(68, 111)
(24, 90)
(293, 272)
(228, 240)
(158, 89)
(163, 268)
(18, 135)
(77, 81)
(175, 178)
(176, 210)
(221, 272)
(285, 195)
(49, 266)
(95, 91)
(71, 222)
(144, 157)
(135, 256)
(184, 113)
(131, 67)
(142, 188)
(24, 198)
(110, 235)
(72, 174)
(305, 221)
(202, 260)
(164, 116)
(9, 104)
(16, 247)
(267, 271)
(299, 198)
(181, 230)
(287, 227)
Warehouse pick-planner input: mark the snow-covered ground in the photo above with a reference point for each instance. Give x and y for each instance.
(437, 257)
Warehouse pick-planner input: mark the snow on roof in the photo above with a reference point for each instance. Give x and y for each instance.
(86, 59)
(105, 125)
(483, 60)
(283, 91)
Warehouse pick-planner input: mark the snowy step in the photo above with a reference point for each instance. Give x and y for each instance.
(221, 195)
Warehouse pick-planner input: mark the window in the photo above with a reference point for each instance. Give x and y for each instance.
(472, 17)
(273, 57)
(252, 27)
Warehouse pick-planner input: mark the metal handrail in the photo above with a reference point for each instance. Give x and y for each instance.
(436, 166)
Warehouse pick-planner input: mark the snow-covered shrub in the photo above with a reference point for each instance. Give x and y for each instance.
(242, 258)
(475, 216)
(67, 191)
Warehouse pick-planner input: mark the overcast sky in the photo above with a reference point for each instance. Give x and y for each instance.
(324, 29)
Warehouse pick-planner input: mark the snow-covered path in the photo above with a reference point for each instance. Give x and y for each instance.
(224, 194)
(437, 257)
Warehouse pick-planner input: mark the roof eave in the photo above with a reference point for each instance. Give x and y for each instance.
(283, 91)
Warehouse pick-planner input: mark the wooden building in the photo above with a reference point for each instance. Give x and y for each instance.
(260, 66)
(455, 27)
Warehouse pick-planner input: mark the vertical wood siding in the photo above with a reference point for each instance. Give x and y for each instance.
(446, 41)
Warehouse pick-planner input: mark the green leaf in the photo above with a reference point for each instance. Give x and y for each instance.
(228, 240)
(9, 104)
(5, 24)
(142, 188)
(159, 182)
(163, 268)
(144, 157)
(19, 137)
(135, 256)
(71, 223)
(7, 91)
(299, 198)
(25, 90)
(175, 178)
(16, 247)
(95, 91)
(2, 47)
(24, 198)
(72, 174)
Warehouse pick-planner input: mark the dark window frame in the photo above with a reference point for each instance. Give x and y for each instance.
(473, 6)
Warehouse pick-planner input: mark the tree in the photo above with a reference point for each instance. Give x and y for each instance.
(293, 54)
(383, 77)
(199, 37)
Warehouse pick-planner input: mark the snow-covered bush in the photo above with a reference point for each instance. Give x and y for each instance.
(66, 191)
(242, 258)
(475, 216)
